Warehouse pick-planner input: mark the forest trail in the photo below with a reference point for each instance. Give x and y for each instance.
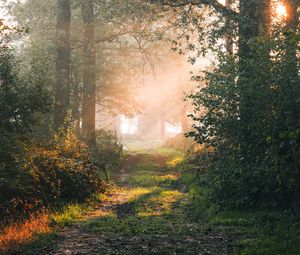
(148, 213)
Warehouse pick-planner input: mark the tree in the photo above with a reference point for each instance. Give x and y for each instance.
(254, 23)
(246, 103)
(229, 31)
(123, 53)
(89, 73)
(63, 58)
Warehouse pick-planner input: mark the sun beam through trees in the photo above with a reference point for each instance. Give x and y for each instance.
(149, 127)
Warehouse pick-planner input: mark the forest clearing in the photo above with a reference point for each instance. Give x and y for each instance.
(166, 127)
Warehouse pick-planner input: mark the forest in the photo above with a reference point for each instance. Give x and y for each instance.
(167, 127)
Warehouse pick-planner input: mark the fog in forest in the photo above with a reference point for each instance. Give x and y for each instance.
(142, 127)
(161, 109)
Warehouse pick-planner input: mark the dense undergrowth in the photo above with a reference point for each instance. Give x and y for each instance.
(47, 174)
(246, 111)
(269, 230)
(52, 186)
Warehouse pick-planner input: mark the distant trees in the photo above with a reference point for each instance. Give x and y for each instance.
(89, 56)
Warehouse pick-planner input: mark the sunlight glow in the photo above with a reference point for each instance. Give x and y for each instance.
(173, 129)
(222, 2)
(281, 10)
(129, 126)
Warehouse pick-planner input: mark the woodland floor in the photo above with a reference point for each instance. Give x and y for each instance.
(147, 213)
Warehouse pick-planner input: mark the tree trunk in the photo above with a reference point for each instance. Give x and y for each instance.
(89, 73)
(63, 59)
(75, 81)
(229, 32)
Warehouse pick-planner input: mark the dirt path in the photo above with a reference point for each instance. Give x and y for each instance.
(146, 214)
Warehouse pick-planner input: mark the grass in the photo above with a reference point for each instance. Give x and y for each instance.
(271, 233)
(153, 207)
(39, 230)
(154, 210)
(150, 180)
(70, 214)
(21, 233)
(141, 146)
(265, 232)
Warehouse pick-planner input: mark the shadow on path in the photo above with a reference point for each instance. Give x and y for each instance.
(149, 218)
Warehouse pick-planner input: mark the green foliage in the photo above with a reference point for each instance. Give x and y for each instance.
(253, 126)
(35, 174)
(19, 100)
(261, 231)
(64, 170)
(109, 149)
(19, 103)
(246, 108)
(47, 175)
(69, 214)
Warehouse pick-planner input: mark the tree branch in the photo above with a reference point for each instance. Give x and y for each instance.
(224, 10)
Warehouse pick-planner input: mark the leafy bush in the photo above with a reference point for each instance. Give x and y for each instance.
(65, 170)
(19, 102)
(37, 174)
(109, 149)
(256, 149)
(47, 175)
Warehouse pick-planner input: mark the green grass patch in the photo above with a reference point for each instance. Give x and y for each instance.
(262, 232)
(70, 214)
(269, 245)
(141, 146)
(151, 180)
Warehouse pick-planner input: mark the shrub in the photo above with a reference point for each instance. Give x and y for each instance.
(109, 149)
(62, 171)
(257, 145)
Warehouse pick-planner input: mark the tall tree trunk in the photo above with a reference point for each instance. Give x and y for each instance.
(76, 97)
(229, 32)
(63, 59)
(89, 73)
